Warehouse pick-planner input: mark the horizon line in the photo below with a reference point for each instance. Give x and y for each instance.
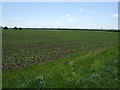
(58, 27)
(62, 28)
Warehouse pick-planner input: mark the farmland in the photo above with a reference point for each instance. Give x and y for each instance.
(59, 59)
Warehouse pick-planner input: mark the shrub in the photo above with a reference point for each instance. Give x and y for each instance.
(15, 28)
(6, 28)
(20, 28)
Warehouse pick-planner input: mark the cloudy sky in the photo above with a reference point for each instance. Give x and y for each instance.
(61, 14)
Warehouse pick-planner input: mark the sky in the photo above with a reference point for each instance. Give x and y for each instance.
(97, 15)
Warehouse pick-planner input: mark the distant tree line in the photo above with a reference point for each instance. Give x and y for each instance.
(15, 28)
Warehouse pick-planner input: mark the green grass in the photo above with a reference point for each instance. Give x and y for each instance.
(72, 59)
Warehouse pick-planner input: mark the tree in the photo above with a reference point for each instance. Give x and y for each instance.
(15, 28)
(20, 28)
(6, 28)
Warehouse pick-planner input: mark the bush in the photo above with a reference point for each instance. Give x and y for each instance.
(20, 28)
(6, 28)
(15, 28)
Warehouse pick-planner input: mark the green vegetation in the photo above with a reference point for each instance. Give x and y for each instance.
(60, 59)
(6, 28)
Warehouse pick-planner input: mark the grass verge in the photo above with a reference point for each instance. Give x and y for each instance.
(93, 70)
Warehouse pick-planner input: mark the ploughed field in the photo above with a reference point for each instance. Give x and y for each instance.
(59, 59)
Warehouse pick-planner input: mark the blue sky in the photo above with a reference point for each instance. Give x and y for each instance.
(60, 14)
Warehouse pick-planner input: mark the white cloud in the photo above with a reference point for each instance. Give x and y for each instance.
(71, 20)
(115, 15)
(81, 9)
(68, 15)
